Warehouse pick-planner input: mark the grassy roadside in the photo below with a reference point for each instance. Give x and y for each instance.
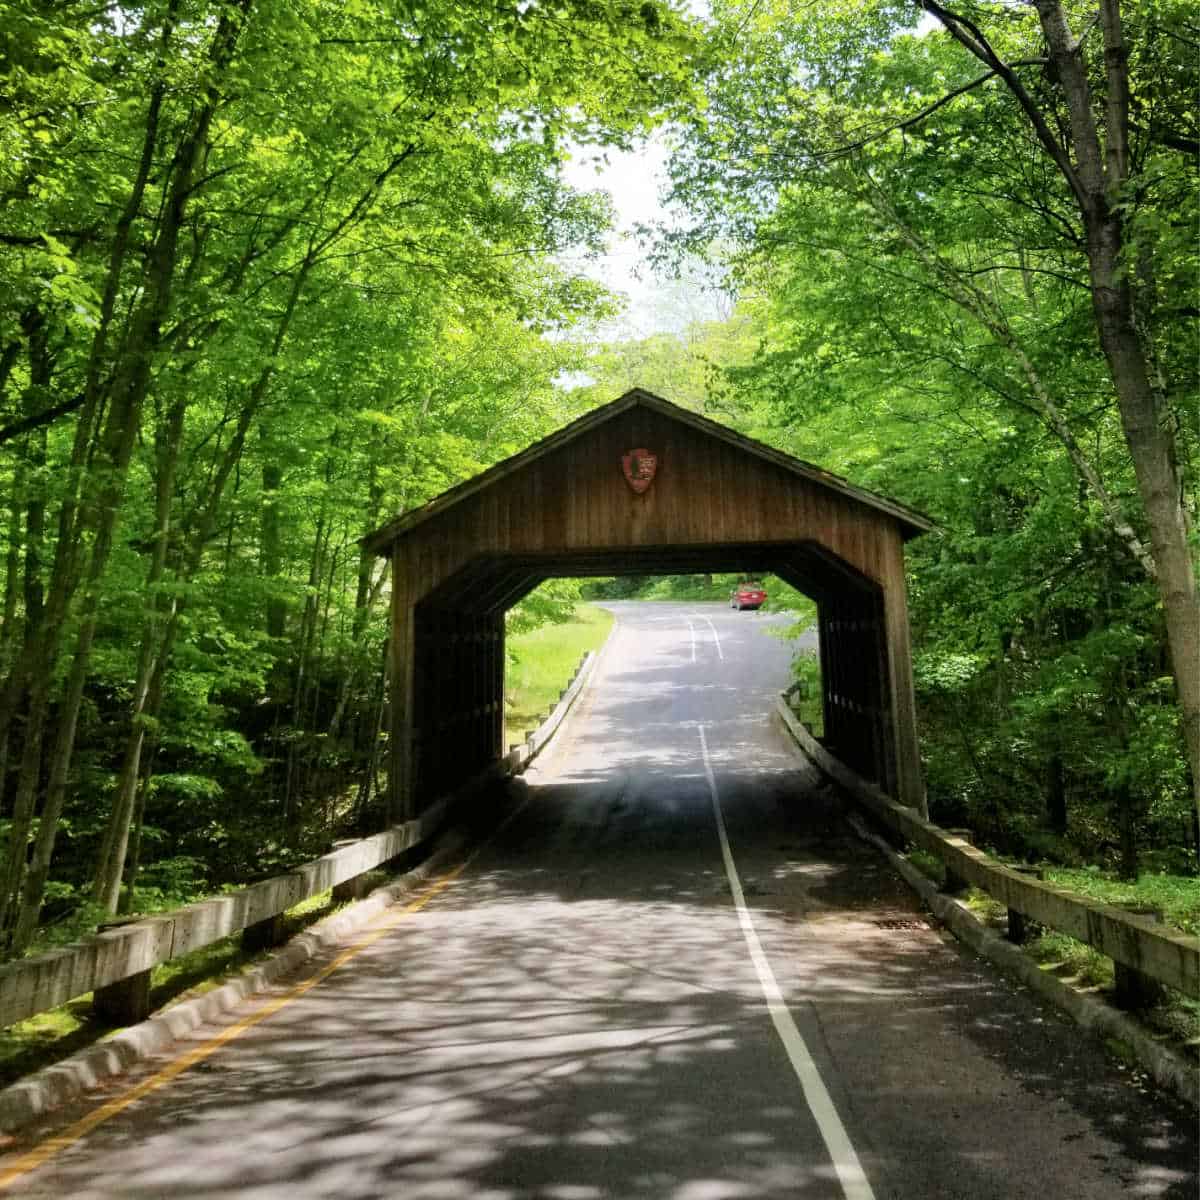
(1176, 896)
(805, 697)
(542, 663)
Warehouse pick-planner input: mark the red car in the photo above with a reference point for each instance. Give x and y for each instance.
(747, 595)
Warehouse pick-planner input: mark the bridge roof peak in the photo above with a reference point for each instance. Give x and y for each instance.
(910, 520)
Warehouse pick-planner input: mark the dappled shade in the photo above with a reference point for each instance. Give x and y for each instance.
(590, 1028)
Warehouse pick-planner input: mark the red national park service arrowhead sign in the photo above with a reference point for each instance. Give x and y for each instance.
(639, 467)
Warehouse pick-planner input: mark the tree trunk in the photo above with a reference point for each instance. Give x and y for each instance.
(322, 636)
(123, 428)
(134, 859)
(362, 615)
(35, 457)
(308, 624)
(12, 562)
(24, 803)
(1099, 176)
(1145, 418)
(1151, 446)
(110, 866)
(367, 787)
(1056, 796)
(367, 558)
(272, 552)
(1127, 821)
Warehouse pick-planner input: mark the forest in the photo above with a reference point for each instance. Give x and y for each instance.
(274, 270)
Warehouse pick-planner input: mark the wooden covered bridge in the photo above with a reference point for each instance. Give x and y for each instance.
(641, 486)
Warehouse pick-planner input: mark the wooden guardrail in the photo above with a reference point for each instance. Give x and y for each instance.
(116, 963)
(1131, 941)
(126, 953)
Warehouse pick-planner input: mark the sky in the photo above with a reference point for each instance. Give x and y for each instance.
(636, 180)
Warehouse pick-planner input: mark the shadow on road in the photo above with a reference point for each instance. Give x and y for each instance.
(577, 1019)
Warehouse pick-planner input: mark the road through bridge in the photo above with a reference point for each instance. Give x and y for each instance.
(670, 974)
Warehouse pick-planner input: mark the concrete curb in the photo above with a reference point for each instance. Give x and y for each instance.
(64, 1081)
(1165, 1066)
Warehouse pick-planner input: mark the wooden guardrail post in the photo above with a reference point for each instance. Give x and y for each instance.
(127, 1001)
(1135, 989)
(354, 888)
(1020, 927)
(955, 884)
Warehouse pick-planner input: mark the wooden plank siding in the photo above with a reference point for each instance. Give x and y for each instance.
(718, 502)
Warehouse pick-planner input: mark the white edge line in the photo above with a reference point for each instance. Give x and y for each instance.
(720, 652)
(693, 632)
(853, 1179)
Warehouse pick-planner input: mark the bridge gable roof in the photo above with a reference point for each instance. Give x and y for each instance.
(910, 521)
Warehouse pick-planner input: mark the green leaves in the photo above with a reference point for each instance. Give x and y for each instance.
(296, 259)
(914, 264)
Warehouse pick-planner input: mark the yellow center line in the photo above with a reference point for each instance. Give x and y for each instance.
(46, 1150)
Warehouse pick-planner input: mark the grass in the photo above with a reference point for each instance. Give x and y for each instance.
(805, 700)
(930, 865)
(1177, 896)
(543, 663)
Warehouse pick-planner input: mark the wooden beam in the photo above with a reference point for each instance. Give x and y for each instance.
(910, 784)
(401, 654)
(912, 521)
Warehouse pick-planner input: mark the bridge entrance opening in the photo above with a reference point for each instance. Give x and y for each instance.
(641, 487)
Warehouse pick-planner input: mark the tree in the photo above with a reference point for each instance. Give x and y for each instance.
(1058, 162)
(240, 234)
(1109, 166)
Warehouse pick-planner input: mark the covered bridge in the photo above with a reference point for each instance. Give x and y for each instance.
(641, 486)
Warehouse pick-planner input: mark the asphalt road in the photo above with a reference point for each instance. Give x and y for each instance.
(588, 1013)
